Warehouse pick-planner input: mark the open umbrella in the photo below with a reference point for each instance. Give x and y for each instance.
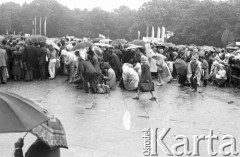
(36, 39)
(98, 51)
(181, 66)
(138, 42)
(106, 41)
(50, 42)
(82, 45)
(18, 114)
(102, 44)
(207, 48)
(134, 47)
(118, 42)
(169, 45)
(52, 133)
(96, 40)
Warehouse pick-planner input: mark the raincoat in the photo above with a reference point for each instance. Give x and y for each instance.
(130, 77)
(196, 68)
(152, 62)
(161, 64)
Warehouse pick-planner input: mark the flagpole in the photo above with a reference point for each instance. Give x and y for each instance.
(40, 26)
(45, 27)
(35, 26)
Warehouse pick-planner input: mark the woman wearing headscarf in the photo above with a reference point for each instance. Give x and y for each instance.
(205, 72)
(164, 74)
(145, 76)
(152, 62)
(17, 64)
(194, 72)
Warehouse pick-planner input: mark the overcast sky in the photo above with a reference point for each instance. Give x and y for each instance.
(108, 5)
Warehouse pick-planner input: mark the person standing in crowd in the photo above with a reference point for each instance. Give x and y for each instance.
(52, 57)
(205, 71)
(115, 63)
(88, 72)
(194, 72)
(37, 149)
(145, 76)
(28, 61)
(17, 64)
(3, 66)
(42, 55)
(70, 60)
(110, 77)
(7, 48)
(36, 68)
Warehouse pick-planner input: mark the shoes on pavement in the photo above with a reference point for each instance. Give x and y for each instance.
(153, 98)
(136, 98)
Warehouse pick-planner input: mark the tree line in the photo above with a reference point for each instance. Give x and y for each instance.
(205, 22)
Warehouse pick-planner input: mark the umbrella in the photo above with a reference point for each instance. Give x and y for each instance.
(169, 45)
(98, 51)
(51, 132)
(180, 46)
(96, 40)
(119, 42)
(102, 44)
(134, 47)
(207, 48)
(181, 66)
(82, 45)
(36, 38)
(50, 42)
(1, 38)
(18, 114)
(138, 42)
(106, 41)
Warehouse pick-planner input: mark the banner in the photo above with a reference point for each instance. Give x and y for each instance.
(139, 35)
(45, 27)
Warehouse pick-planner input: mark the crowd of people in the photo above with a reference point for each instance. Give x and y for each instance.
(190, 65)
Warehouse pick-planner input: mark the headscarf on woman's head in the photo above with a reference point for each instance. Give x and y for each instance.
(144, 59)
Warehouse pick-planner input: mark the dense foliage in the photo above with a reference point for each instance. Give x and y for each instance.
(204, 22)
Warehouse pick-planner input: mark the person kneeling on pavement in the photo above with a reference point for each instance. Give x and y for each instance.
(89, 73)
(110, 77)
(221, 77)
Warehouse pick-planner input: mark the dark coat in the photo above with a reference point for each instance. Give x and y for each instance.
(146, 73)
(96, 64)
(40, 149)
(86, 68)
(8, 51)
(42, 54)
(29, 55)
(115, 62)
(3, 58)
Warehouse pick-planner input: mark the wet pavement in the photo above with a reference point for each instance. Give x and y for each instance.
(94, 123)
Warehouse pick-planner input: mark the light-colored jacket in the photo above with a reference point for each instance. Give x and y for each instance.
(3, 58)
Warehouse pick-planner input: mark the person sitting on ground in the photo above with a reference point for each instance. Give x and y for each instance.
(110, 77)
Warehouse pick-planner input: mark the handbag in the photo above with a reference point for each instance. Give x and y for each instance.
(146, 86)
